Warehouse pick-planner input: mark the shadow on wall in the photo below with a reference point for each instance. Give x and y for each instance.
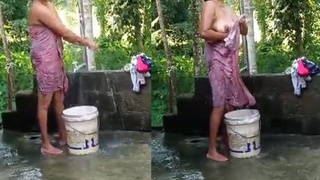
(110, 91)
(281, 111)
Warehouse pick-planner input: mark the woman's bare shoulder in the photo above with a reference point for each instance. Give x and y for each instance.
(37, 10)
(32, 19)
(210, 8)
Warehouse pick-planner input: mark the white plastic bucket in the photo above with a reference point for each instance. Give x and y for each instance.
(82, 129)
(243, 129)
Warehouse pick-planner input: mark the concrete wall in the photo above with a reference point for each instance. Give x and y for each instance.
(110, 91)
(281, 111)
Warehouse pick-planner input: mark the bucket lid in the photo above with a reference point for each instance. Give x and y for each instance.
(79, 111)
(247, 115)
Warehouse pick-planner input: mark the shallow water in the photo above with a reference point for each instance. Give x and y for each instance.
(283, 157)
(122, 155)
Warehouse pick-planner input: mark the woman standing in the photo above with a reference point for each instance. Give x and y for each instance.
(46, 32)
(221, 28)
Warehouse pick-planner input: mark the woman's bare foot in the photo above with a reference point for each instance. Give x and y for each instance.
(215, 156)
(51, 150)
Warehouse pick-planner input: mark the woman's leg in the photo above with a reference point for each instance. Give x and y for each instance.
(228, 108)
(58, 97)
(215, 120)
(44, 101)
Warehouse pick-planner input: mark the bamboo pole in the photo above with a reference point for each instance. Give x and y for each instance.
(251, 50)
(244, 42)
(82, 33)
(85, 8)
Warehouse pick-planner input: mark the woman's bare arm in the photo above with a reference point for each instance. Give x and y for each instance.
(207, 18)
(57, 15)
(55, 11)
(45, 16)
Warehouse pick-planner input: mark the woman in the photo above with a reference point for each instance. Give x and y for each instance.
(46, 32)
(221, 29)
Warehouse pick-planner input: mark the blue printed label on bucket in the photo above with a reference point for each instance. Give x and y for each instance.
(86, 145)
(249, 147)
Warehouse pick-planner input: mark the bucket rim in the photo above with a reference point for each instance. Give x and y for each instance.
(229, 118)
(91, 110)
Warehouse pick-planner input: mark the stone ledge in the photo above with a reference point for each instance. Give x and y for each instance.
(137, 120)
(110, 91)
(281, 111)
(25, 121)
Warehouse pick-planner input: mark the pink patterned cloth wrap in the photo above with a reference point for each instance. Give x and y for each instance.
(224, 73)
(47, 60)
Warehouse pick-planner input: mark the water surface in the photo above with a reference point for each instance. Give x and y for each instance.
(283, 157)
(122, 156)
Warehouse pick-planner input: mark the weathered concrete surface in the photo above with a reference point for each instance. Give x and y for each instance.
(281, 111)
(283, 157)
(123, 155)
(110, 91)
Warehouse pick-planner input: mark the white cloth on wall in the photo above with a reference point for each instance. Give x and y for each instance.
(298, 82)
(137, 78)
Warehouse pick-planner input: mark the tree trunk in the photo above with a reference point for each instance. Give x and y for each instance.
(197, 48)
(147, 23)
(138, 35)
(299, 40)
(248, 11)
(300, 30)
(10, 79)
(171, 70)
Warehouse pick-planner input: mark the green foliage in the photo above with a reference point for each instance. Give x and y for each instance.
(117, 45)
(113, 55)
(125, 20)
(288, 28)
(272, 58)
(15, 9)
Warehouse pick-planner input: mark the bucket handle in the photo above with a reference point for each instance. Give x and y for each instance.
(82, 132)
(247, 136)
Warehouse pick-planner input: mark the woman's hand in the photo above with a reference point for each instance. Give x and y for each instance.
(243, 25)
(92, 45)
(242, 19)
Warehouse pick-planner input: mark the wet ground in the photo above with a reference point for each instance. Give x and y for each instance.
(122, 156)
(283, 157)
